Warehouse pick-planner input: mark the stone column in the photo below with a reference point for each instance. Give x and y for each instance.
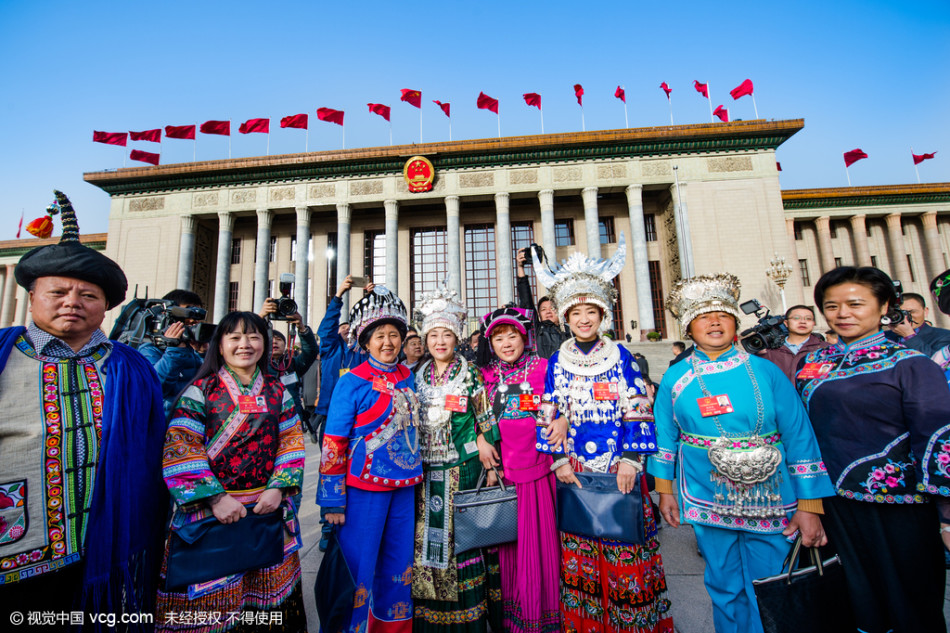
(302, 262)
(932, 242)
(683, 241)
(9, 294)
(859, 231)
(343, 251)
(186, 252)
(222, 275)
(591, 221)
(454, 246)
(641, 265)
(548, 237)
(22, 304)
(392, 245)
(503, 273)
(262, 262)
(826, 255)
(895, 237)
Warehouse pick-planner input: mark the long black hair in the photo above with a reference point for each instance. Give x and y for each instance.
(247, 322)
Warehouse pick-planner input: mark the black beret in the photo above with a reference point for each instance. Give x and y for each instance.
(71, 259)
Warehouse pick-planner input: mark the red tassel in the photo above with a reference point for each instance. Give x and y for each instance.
(41, 227)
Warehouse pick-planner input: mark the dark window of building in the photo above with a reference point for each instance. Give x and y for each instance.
(874, 261)
(656, 294)
(606, 226)
(564, 233)
(803, 265)
(617, 325)
(272, 253)
(429, 261)
(649, 225)
(797, 228)
(374, 256)
(838, 263)
(480, 275)
(869, 231)
(233, 290)
(833, 227)
(236, 251)
(522, 236)
(910, 267)
(332, 285)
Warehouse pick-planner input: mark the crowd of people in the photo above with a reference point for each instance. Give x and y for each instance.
(127, 474)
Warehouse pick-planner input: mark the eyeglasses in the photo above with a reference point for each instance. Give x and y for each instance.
(802, 318)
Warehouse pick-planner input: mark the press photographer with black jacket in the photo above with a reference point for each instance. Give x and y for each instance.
(550, 333)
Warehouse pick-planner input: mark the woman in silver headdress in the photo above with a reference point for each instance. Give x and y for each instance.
(600, 421)
(732, 430)
(451, 592)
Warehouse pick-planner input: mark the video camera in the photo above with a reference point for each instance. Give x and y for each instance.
(768, 333)
(286, 307)
(145, 320)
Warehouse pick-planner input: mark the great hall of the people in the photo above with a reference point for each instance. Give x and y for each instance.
(689, 199)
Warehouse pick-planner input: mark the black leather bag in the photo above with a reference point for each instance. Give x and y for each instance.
(333, 591)
(600, 510)
(208, 549)
(485, 516)
(813, 598)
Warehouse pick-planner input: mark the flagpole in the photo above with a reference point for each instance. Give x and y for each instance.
(343, 128)
(229, 139)
(915, 164)
(268, 139)
(626, 121)
(670, 100)
(194, 149)
(709, 101)
(542, 119)
(420, 125)
(498, 115)
(583, 125)
(848, 172)
(754, 107)
(306, 142)
(450, 127)
(390, 133)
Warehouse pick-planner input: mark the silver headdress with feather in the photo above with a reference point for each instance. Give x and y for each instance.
(581, 279)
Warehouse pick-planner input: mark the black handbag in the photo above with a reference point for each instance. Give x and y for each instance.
(485, 516)
(600, 510)
(813, 599)
(208, 549)
(333, 591)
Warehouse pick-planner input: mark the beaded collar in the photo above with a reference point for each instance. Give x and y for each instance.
(381, 366)
(604, 355)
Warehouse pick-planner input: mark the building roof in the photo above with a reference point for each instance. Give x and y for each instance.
(18, 248)
(477, 153)
(885, 195)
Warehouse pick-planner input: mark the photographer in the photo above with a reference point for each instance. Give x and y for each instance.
(914, 331)
(800, 321)
(286, 365)
(181, 357)
(550, 334)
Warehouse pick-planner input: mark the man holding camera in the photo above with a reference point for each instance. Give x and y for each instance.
(800, 321)
(182, 355)
(286, 365)
(914, 331)
(550, 334)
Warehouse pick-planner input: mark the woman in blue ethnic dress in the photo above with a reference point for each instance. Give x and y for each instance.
(370, 465)
(731, 429)
(452, 593)
(600, 420)
(234, 446)
(881, 413)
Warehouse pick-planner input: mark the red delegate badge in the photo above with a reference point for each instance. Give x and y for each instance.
(606, 391)
(252, 404)
(382, 385)
(714, 405)
(814, 370)
(529, 402)
(458, 404)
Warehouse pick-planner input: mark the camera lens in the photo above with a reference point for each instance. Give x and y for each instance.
(286, 306)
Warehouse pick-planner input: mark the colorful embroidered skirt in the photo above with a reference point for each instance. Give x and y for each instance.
(451, 593)
(610, 586)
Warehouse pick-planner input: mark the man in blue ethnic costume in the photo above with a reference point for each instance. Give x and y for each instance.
(731, 429)
(81, 497)
(370, 465)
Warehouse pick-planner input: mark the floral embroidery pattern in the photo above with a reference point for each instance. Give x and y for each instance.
(884, 479)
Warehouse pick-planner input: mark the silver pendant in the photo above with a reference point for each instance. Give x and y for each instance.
(525, 387)
(503, 388)
(745, 466)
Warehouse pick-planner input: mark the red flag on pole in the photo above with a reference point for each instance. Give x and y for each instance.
(255, 125)
(919, 158)
(722, 113)
(180, 131)
(19, 229)
(110, 138)
(666, 89)
(145, 157)
(579, 93)
(445, 107)
(153, 136)
(620, 94)
(380, 109)
(778, 165)
(743, 89)
(295, 120)
(216, 127)
(702, 89)
(853, 156)
(485, 102)
(330, 115)
(532, 99)
(412, 97)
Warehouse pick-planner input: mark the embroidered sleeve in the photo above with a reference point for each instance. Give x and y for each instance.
(289, 464)
(926, 406)
(662, 464)
(336, 441)
(185, 464)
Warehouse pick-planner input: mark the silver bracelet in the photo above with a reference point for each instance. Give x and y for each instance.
(560, 462)
(632, 462)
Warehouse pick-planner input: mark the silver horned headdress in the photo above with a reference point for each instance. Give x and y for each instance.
(581, 279)
(440, 308)
(704, 293)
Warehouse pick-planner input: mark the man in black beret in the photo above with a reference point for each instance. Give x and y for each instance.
(82, 500)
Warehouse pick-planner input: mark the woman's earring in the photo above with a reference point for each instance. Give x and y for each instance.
(885, 320)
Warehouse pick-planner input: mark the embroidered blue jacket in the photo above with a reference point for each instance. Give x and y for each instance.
(882, 419)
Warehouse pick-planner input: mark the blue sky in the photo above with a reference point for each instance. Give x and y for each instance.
(866, 74)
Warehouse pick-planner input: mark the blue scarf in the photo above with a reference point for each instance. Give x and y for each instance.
(124, 537)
